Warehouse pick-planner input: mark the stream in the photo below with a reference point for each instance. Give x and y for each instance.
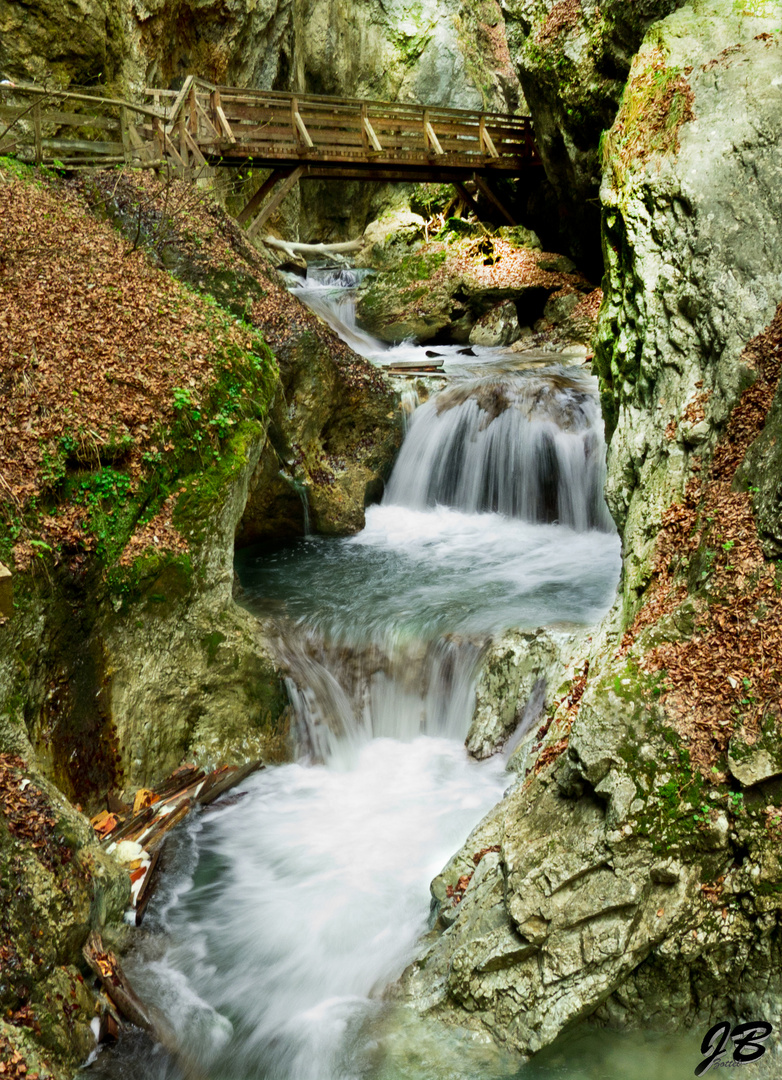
(284, 914)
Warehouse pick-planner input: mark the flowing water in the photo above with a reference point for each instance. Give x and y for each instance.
(286, 913)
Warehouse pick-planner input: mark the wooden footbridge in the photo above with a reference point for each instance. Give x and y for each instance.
(203, 127)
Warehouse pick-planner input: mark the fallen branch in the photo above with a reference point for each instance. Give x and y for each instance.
(205, 798)
(127, 1003)
(291, 248)
(119, 991)
(146, 890)
(168, 804)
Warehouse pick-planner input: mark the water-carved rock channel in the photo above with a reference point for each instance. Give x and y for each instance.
(288, 912)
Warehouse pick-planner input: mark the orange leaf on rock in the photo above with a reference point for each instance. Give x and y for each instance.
(144, 798)
(107, 825)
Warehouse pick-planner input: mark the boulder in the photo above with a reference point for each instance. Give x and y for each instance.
(521, 669)
(500, 326)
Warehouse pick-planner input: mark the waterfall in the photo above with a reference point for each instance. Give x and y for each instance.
(342, 697)
(288, 913)
(526, 445)
(498, 490)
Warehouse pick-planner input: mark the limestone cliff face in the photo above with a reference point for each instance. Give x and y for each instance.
(440, 52)
(636, 860)
(693, 255)
(572, 58)
(81, 42)
(241, 43)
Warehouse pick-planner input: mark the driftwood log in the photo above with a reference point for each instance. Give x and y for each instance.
(168, 804)
(291, 248)
(125, 1003)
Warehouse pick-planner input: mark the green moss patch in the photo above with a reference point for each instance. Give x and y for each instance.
(656, 102)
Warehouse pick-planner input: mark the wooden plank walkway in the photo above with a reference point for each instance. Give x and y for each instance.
(203, 127)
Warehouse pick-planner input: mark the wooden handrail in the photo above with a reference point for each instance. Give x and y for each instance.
(22, 89)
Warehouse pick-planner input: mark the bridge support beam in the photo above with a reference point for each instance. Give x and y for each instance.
(466, 197)
(256, 201)
(487, 191)
(288, 184)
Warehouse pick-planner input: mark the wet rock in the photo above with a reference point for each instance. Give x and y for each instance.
(394, 231)
(514, 666)
(498, 327)
(294, 264)
(580, 905)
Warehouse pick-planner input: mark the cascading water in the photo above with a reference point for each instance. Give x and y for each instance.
(292, 909)
(525, 445)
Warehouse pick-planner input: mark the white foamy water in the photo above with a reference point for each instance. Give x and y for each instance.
(307, 898)
(329, 292)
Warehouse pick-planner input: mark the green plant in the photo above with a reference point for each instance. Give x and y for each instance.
(736, 802)
(656, 101)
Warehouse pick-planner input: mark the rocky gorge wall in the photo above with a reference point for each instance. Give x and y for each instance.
(147, 422)
(635, 861)
(572, 58)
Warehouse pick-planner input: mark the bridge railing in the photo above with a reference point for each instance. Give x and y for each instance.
(79, 126)
(273, 126)
(203, 125)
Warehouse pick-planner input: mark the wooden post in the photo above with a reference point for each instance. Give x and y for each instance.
(487, 191)
(431, 140)
(368, 131)
(124, 128)
(221, 121)
(139, 149)
(466, 198)
(300, 133)
(252, 205)
(486, 139)
(211, 131)
(173, 153)
(182, 133)
(179, 102)
(157, 139)
(37, 130)
(192, 120)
